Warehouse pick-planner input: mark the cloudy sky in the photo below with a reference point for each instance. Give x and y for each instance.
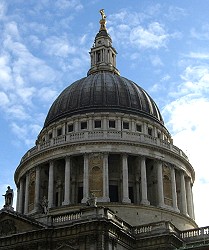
(161, 45)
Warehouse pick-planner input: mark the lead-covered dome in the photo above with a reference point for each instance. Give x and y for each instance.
(103, 92)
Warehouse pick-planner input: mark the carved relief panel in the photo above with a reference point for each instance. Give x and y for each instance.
(96, 174)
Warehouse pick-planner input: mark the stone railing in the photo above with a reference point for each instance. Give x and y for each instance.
(104, 135)
(66, 217)
(155, 228)
(195, 234)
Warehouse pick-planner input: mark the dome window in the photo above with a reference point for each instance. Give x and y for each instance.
(59, 131)
(84, 125)
(50, 135)
(97, 124)
(138, 128)
(70, 127)
(125, 125)
(150, 131)
(111, 123)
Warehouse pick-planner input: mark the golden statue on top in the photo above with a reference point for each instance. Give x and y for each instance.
(102, 14)
(103, 20)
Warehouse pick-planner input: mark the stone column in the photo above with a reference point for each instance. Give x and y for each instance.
(160, 184)
(105, 179)
(18, 199)
(20, 202)
(37, 188)
(125, 179)
(51, 184)
(189, 198)
(174, 194)
(85, 178)
(67, 181)
(138, 182)
(26, 193)
(183, 194)
(144, 199)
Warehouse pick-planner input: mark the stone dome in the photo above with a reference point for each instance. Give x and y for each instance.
(103, 92)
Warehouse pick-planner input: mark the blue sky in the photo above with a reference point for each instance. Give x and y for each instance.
(161, 45)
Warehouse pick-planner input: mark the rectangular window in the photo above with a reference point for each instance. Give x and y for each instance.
(138, 128)
(83, 125)
(59, 131)
(70, 127)
(125, 125)
(50, 136)
(150, 131)
(111, 124)
(97, 124)
(158, 135)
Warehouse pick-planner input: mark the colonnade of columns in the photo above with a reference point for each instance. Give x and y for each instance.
(180, 203)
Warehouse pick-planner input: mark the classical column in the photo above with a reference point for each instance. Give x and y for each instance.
(85, 178)
(138, 182)
(173, 185)
(125, 179)
(18, 199)
(37, 188)
(67, 181)
(26, 193)
(20, 202)
(105, 179)
(160, 184)
(144, 199)
(189, 198)
(183, 194)
(51, 184)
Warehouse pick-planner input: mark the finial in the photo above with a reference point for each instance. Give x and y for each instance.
(103, 20)
(102, 13)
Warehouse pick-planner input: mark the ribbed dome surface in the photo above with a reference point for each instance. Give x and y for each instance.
(103, 91)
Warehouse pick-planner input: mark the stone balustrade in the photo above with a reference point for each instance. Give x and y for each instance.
(195, 234)
(103, 135)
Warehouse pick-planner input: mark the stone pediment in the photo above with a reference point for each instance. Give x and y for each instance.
(12, 222)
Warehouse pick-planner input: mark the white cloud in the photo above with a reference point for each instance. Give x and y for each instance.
(22, 131)
(68, 4)
(198, 55)
(59, 46)
(187, 120)
(202, 33)
(4, 100)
